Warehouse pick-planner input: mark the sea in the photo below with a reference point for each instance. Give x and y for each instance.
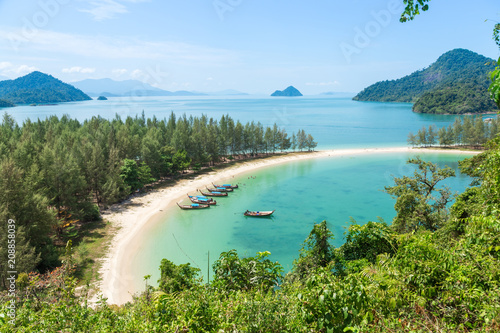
(336, 189)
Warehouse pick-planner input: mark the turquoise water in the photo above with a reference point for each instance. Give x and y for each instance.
(303, 193)
(334, 122)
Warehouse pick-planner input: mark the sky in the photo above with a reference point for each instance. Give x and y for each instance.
(254, 46)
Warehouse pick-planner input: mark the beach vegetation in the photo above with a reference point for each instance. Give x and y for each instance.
(468, 131)
(420, 203)
(57, 174)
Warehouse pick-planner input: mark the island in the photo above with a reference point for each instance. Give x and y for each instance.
(457, 83)
(102, 98)
(288, 92)
(5, 104)
(39, 88)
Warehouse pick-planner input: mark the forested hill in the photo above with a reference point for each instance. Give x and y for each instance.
(5, 104)
(456, 83)
(38, 87)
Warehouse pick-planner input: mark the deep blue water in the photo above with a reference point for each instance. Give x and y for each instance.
(303, 192)
(334, 122)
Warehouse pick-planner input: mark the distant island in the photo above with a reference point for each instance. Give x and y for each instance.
(39, 88)
(457, 83)
(111, 88)
(288, 92)
(102, 98)
(5, 104)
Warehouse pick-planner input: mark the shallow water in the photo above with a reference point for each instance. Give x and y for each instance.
(303, 193)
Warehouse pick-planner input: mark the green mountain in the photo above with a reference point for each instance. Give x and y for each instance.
(456, 83)
(288, 92)
(5, 104)
(38, 87)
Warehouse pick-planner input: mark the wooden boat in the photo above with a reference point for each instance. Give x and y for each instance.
(220, 189)
(225, 186)
(258, 213)
(214, 194)
(193, 206)
(202, 200)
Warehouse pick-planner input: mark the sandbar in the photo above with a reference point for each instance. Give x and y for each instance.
(132, 216)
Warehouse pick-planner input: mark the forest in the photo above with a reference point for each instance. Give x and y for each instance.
(456, 83)
(468, 131)
(56, 174)
(434, 269)
(39, 88)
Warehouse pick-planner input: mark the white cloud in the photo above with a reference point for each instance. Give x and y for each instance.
(78, 69)
(138, 74)
(119, 48)
(119, 71)
(107, 9)
(5, 64)
(13, 71)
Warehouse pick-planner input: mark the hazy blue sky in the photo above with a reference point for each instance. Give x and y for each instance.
(256, 46)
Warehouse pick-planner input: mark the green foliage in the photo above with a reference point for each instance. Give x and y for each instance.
(57, 172)
(413, 8)
(233, 273)
(456, 83)
(175, 278)
(5, 104)
(419, 202)
(368, 241)
(316, 252)
(470, 131)
(494, 88)
(37, 87)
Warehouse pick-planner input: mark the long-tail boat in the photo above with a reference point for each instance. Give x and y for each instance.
(258, 213)
(193, 206)
(220, 189)
(202, 200)
(214, 194)
(225, 186)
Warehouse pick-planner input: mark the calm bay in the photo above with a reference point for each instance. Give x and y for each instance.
(302, 192)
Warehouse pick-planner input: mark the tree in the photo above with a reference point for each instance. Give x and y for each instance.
(419, 202)
(422, 136)
(136, 175)
(28, 208)
(234, 273)
(285, 143)
(413, 8)
(301, 140)
(180, 161)
(310, 143)
(175, 278)
(316, 252)
(431, 135)
(368, 241)
(412, 139)
(495, 75)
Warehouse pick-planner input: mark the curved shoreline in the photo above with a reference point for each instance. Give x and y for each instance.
(135, 214)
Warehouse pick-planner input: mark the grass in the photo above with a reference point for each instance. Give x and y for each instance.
(90, 245)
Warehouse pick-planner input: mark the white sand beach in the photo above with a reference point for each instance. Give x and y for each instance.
(134, 215)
